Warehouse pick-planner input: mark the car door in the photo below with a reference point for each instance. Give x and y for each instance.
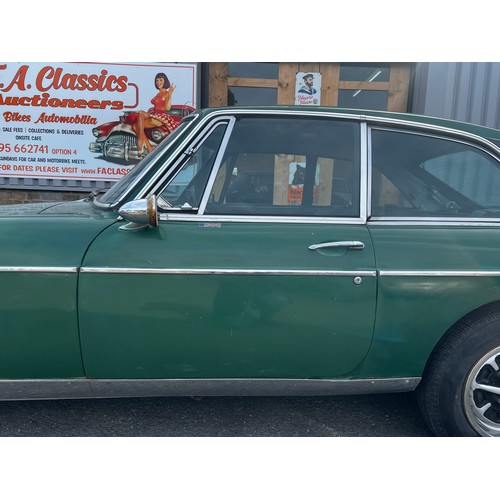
(261, 266)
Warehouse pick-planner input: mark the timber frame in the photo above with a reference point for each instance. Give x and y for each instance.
(397, 86)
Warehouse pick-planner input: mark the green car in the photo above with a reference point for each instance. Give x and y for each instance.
(270, 251)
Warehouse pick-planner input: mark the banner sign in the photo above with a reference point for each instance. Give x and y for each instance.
(88, 121)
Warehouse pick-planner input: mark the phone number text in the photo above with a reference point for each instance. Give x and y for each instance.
(23, 148)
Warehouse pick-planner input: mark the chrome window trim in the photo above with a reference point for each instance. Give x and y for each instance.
(463, 138)
(457, 137)
(259, 219)
(86, 388)
(238, 272)
(414, 127)
(284, 112)
(216, 167)
(37, 269)
(368, 161)
(363, 183)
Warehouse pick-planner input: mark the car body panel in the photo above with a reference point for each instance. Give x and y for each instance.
(428, 277)
(39, 263)
(226, 300)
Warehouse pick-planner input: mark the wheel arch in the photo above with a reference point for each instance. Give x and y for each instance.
(456, 332)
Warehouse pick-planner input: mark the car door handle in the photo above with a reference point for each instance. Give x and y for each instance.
(351, 245)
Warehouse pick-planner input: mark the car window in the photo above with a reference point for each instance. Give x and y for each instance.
(420, 176)
(186, 188)
(289, 166)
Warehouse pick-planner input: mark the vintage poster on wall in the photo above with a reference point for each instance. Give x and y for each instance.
(308, 89)
(88, 121)
(296, 178)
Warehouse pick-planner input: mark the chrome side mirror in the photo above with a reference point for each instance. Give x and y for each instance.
(140, 214)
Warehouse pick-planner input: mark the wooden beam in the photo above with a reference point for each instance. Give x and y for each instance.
(286, 83)
(399, 87)
(329, 83)
(309, 67)
(217, 88)
(252, 82)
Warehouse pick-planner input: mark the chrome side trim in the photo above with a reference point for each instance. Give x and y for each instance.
(244, 272)
(36, 269)
(259, 218)
(440, 273)
(19, 390)
(427, 221)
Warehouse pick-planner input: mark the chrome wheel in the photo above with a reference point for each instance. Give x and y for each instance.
(482, 395)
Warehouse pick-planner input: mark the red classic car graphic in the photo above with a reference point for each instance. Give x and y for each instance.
(117, 141)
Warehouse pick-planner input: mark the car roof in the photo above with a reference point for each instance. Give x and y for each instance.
(486, 132)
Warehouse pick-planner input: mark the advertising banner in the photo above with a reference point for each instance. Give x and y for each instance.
(88, 121)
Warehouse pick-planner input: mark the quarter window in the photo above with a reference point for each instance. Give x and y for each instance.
(289, 166)
(186, 188)
(418, 175)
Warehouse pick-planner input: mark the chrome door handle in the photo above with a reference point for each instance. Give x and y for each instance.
(351, 245)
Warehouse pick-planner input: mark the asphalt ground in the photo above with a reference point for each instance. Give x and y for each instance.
(382, 415)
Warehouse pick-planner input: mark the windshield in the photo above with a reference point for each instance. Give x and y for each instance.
(111, 196)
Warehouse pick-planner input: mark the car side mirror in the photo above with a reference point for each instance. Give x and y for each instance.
(141, 214)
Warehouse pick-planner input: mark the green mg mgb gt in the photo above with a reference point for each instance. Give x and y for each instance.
(270, 251)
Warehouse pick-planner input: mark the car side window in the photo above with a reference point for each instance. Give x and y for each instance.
(416, 175)
(186, 188)
(289, 166)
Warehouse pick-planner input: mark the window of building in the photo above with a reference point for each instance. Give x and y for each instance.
(363, 99)
(253, 70)
(356, 72)
(247, 96)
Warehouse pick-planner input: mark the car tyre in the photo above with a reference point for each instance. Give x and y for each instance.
(460, 391)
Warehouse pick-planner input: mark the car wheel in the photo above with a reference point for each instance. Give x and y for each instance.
(460, 392)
